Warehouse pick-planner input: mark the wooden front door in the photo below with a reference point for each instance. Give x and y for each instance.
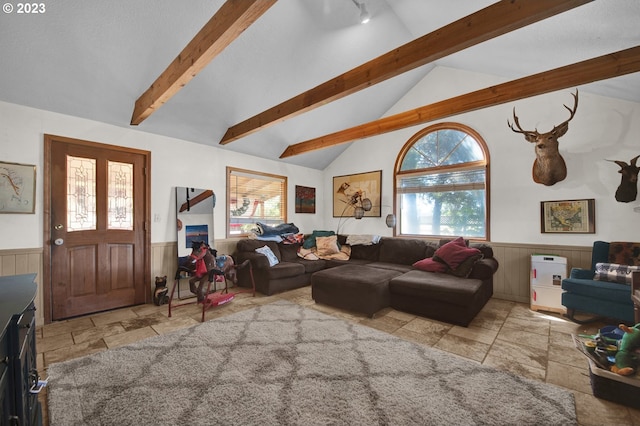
(96, 227)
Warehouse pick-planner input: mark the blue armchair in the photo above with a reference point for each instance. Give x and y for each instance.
(603, 299)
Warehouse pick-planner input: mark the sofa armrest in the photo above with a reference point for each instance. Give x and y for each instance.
(484, 269)
(582, 274)
(258, 260)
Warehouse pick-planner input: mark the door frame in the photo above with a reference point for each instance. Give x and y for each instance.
(47, 244)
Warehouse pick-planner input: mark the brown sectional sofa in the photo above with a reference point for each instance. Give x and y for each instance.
(374, 277)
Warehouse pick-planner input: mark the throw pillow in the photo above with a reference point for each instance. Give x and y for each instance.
(464, 268)
(614, 272)
(444, 241)
(273, 260)
(327, 245)
(430, 265)
(455, 252)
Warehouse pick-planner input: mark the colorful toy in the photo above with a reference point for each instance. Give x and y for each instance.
(627, 357)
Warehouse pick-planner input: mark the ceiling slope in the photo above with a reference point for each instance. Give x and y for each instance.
(92, 59)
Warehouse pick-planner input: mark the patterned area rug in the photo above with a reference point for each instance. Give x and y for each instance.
(283, 364)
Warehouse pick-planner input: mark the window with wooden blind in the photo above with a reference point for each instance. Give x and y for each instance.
(254, 197)
(442, 183)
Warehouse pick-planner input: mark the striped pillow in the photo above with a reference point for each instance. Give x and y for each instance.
(614, 272)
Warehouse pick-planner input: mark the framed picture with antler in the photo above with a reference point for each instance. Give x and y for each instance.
(349, 192)
(568, 216)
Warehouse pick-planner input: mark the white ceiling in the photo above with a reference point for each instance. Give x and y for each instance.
(94, 58)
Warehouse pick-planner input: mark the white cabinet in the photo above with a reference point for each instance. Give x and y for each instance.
(547, 273)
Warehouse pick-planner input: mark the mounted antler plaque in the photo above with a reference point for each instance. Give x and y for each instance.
(628, 189)
(549, 166)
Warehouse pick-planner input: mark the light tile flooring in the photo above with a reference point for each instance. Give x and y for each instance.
(504, 335)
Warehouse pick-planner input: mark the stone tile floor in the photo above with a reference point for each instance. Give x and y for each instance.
(505, 335)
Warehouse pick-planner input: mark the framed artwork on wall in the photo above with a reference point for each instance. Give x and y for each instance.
(17, 188)
(350, 190)
(568, 216)
(305, 199)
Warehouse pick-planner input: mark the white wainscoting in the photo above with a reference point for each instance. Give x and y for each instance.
(511, 281)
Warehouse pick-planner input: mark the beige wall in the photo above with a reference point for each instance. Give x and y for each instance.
(511, 282)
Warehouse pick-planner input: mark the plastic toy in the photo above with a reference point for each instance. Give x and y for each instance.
(627, 357)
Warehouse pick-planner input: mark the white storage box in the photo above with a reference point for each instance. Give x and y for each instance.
(547, 273)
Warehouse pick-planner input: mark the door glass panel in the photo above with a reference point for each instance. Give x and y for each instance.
(120, 196)
(81, 194)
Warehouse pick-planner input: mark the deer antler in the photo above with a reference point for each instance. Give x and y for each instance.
(564, 125)
(620, 163)
(623, 164)
(529, 135)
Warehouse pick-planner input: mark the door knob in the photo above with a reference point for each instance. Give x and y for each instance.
(59, 227)
(58, 241)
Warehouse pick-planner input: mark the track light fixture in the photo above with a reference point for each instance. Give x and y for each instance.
(364, 14)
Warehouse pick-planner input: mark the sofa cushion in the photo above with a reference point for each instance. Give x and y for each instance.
(598, 290)
(285, 270)
(404, 251)
(390, 266)
(430, 265)
(249, 244)
(442, 287)
(614, 272)
(289, 252)
(353, 287)
(311, 266)
(368, 253)
(334, 263)
(265, 250)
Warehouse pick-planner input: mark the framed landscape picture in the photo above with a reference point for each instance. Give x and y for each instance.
(349, 189)
(305, 199)
(568, 216)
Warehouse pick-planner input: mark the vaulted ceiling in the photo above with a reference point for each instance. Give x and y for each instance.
(94, 59)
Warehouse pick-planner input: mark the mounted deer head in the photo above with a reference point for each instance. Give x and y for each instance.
(628, 189)
(549, 167)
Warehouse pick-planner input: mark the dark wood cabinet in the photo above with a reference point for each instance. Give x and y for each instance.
(19, 378)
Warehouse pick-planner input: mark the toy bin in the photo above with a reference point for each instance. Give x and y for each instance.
(614, 387)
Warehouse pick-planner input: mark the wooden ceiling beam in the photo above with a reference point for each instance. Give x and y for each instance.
(600, 68)
(233, 17)
(492, 21)
(196, 200)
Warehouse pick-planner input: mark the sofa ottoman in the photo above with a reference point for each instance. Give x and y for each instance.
(439, 296)
(353, 287)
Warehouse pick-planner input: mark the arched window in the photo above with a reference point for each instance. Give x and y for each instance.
(442, 183)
